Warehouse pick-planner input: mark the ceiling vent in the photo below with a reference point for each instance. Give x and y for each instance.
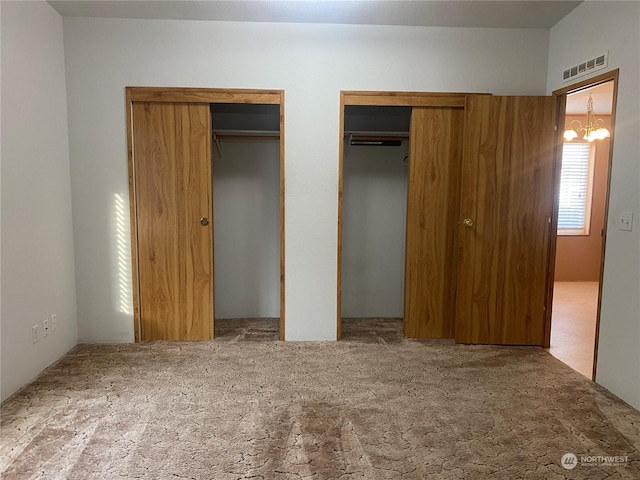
(585, 68)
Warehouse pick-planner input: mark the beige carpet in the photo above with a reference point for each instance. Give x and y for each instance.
(288, 410)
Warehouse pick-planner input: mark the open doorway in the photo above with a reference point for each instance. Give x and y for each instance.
(376, 155)
(428, 126)
(246, 218)
(582, 212)
(427, 215)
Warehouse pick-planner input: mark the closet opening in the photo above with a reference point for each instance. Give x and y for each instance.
(374, 212)
(246, 220)
(469, 275)
(182, 142)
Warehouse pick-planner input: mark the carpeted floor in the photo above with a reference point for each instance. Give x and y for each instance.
(353, 409)
(247, 329)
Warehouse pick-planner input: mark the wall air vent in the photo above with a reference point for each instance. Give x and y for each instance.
(586, 67)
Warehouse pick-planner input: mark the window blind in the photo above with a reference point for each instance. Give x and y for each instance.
(574, 187)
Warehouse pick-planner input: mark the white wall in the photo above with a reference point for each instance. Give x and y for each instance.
(374, 203)
(591, 28)
(37, 242)
(312, 63)
(246, 213)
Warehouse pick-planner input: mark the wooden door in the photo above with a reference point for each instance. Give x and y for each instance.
(506, 204)
(172, 161)
(432, 221)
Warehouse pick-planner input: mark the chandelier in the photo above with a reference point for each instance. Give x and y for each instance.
(593, 129)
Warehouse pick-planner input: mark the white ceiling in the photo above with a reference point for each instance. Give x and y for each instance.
(490, 14)
(602, 96)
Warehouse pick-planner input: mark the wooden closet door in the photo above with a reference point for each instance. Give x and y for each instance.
(172, 155)
(432, 217)
(506, 203)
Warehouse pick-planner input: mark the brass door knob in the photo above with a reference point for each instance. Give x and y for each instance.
(204, 221)
(467, 222)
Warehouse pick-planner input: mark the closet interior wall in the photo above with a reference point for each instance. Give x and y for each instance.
(246, 210)
(374, 212)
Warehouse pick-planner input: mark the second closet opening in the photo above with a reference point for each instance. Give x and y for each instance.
(376, 158)
(246, 220)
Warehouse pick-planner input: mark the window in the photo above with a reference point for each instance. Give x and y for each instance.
(576, 179)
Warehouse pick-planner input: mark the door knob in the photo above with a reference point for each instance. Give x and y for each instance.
(204, 221)
(467, 222)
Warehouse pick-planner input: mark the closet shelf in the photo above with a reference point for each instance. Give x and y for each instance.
(373, 135)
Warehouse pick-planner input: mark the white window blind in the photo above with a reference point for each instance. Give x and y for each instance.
(575, 189)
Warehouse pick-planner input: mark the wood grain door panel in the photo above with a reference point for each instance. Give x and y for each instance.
(432, 216)
(172, 155)
(507, 190)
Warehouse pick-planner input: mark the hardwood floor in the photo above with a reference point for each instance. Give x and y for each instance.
(573, 324)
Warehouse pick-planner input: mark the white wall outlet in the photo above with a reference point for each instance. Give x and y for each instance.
(625, 221)
(54, 323)
(45, 327)
(35, 333)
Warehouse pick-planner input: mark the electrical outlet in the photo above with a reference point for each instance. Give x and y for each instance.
(625, 222)
(54, 323)
(35, 333)
(45, 327)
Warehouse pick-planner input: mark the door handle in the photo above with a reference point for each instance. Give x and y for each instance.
(467, 222)
(204, 221)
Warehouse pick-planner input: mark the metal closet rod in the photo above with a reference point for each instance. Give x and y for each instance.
(374, 139)
(272, 133)
(242, 135)
(246, 133)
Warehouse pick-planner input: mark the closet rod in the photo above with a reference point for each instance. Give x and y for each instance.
(246, 133)
(374, 139)
(253, 135)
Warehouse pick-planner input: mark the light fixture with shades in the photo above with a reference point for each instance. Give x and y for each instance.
(593, 129)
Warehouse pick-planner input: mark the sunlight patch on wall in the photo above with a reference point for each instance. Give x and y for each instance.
(124, 298)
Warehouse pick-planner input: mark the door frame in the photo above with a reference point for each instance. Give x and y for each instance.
(196, 95)
(560, 97)
(387, 99)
